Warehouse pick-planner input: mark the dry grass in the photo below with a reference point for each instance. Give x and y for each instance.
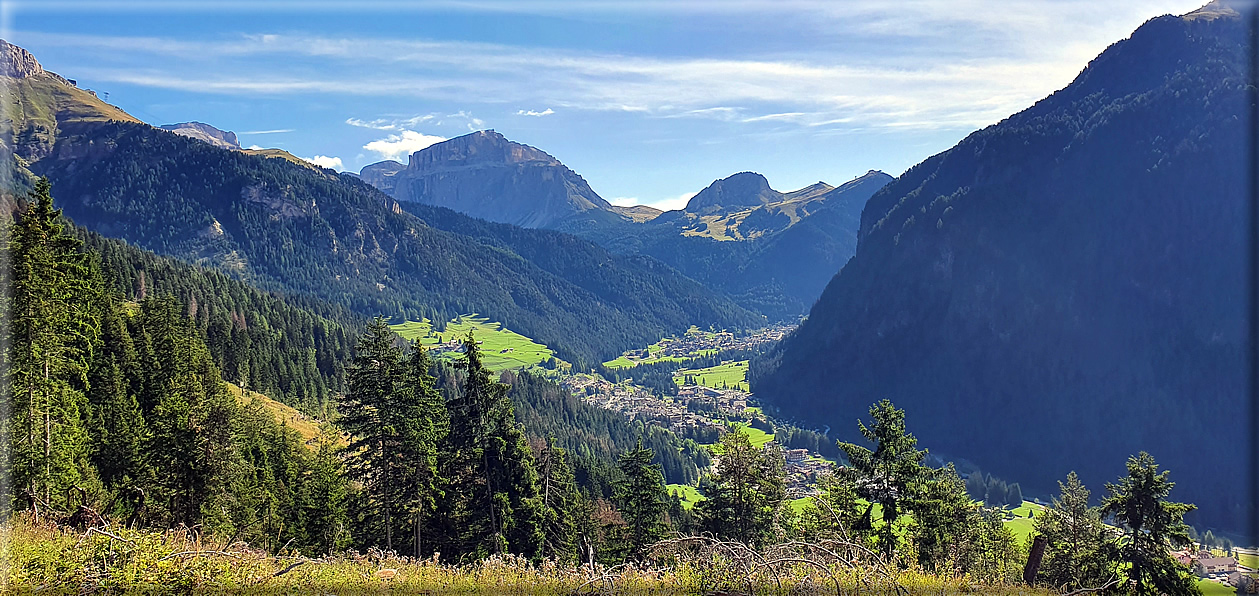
(44, 557)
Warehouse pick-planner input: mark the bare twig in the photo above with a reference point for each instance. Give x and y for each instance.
(1113, 581)
(95, 530)
(291, 567)
(201, 553)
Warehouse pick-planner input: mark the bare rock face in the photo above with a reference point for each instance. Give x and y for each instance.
(742, 190)
(205, 133)
(487, 176)
(17, 62)
(381, 175)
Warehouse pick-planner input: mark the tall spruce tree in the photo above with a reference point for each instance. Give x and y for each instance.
(1153, 526)
(889, 474)
(493, 497)
(640, 495)
(559, 504)
(373, 380)
(54, 329)
(417, 413)
(746, 494)
(943, 516)
(1077, 549)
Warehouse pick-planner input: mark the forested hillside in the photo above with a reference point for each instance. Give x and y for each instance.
(281, 226)
(1066, 286)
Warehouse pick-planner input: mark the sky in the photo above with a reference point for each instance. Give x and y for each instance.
(649, 100)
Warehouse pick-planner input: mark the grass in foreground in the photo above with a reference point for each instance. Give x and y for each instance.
(500, 348)
(42, 557)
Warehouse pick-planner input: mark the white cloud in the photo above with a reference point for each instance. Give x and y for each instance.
(397, 146)
(672, 203)
(546, 112)
(255, 147)
(324, 161)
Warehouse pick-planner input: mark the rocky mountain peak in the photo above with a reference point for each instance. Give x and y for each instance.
(205, 133)
(481, 147)
(745, 189)
(17, 62)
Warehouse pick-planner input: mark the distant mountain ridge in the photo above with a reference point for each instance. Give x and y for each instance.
(485, 175)
(1065, 288)
(296, 228)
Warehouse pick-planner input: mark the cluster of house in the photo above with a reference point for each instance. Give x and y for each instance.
(637, 403)
(726, 401)
(801, 474)
(694, 342)
(452, 346)
(1223, 569)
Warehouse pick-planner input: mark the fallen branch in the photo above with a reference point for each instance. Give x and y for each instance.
(1114, 581)
(94, 530)
(291, 567)
(199, 553)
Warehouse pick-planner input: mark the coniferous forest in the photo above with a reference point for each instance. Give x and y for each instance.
(121, 421)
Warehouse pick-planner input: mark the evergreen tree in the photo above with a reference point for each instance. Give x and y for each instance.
(117, 424)
(323, 498)
(1153, 526)
(888, 474)
(640, 496)
(943, 516)
(746, 494)
(494, 502)
(1077, 545)
(372, 381)
(54, 329)
(418, 414)
(559, 504)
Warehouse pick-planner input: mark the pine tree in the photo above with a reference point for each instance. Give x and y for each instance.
(746, 494)
(323, 498)
(943, 515)
(890, 473)
(1153, 527)
(1077, 544)
(55, 327)
(117, 424)
(494, 502)
(372, 380)
(559, 504)
(640, 496)
(418, 414)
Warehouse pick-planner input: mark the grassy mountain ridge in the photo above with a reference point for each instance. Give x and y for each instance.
(1064, 288)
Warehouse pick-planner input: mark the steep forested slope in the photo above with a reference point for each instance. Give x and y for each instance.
(1065, 288)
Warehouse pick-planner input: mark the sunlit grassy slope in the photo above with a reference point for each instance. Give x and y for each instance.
(501, 348)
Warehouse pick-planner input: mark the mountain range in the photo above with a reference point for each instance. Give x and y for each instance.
(763, 247)
(1065, 288)
(296, 228)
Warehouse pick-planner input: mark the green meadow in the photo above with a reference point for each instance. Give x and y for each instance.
(732, 375)
(501, 348)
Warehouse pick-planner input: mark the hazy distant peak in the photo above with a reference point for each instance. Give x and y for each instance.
(744, 189)
(205, 133)
(485, 146)
(1216, 9)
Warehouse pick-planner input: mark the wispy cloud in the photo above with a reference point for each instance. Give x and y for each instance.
(398, 146)
(266, 132)
(1021, 52)
(325, 161)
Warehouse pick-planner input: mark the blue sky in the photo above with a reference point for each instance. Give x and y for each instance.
(649, 100)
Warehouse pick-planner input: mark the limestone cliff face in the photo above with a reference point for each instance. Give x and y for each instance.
(381, 174)
(205, 133)
(740, 191)
(487, 176)
(17, 62)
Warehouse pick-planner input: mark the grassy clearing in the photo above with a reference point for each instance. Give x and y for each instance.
(1026, 508)
(501, 349)
(305, 426)
(689, 494)
(654, 350)
(1211, 588)
(732, 375)
(1248, 560)
(758, 437)
(46, 558)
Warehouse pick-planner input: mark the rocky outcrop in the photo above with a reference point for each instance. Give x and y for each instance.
(205, 133)
(740, 191)
(381, 174)
(487, 176)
